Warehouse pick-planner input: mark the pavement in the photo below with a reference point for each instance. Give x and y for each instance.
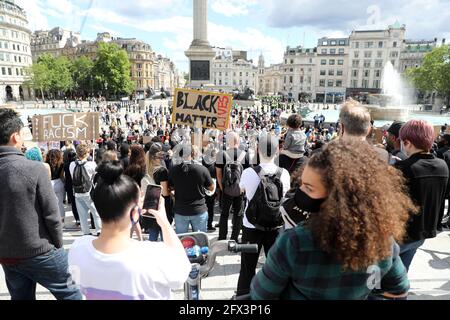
(429, 273)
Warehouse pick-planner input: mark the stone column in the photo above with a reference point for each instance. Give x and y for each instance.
(200, 23)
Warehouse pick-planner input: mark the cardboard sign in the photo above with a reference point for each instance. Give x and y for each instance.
(202, 109)
(66, 127)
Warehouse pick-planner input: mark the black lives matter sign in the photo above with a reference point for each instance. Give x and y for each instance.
(209, 110)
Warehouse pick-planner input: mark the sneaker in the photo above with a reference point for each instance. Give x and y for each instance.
(211, 229)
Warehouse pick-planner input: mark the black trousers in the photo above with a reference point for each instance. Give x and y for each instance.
(249, 261)
(71, 198)
(210, 202)
(227, 203)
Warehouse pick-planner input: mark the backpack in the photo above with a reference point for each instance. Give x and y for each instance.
(81, 181)
(264, 209)
(232, 173)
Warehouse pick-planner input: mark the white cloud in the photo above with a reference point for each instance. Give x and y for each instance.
(232, 8)
(37, 18)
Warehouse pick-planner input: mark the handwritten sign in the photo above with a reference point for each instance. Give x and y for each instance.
(66, 127)
(210, 110)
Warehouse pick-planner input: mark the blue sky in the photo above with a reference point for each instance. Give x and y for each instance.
(258, 26)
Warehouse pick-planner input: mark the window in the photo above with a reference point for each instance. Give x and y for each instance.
(376, 84)
(291, 79)
(380, 44)
(4, 71)
(380, 54)
(332, 62)
(339, 73)
(322, 83)
(331, 72)
(356, 53)
(393, 62)
(333, 43)
(291, 69)
(356, 45)
(324, 51)
(342, 42)
(341, 51)
(332, 51)
(338, 83)
(354, 83)
(323, 62)
(394, 54)
(220, 74)
(355, 63)
(2, 57)
(379, 64)
(395, 44)
(341, 62)
(368, 45)
(366, 73)
(220, 82)
(322, 72)
(367, 54)
(292, 61)
(377, 73)
(365, 83)
(330, 83)
(10, 71)
(325, 43)
(367, 63)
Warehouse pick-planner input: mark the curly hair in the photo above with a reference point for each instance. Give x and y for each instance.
(55, 159)
(367, 206)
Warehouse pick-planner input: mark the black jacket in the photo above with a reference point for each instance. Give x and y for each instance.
(427, 178)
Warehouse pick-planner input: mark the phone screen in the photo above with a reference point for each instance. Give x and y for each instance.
(152, 196)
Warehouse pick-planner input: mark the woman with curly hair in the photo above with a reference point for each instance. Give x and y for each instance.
(56, 162)
(347, 247)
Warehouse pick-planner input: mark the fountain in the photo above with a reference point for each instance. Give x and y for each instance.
(392, 103)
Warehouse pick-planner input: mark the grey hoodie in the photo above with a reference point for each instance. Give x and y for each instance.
(30, 222)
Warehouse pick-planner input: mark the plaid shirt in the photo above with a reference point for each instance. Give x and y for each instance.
(296, 269)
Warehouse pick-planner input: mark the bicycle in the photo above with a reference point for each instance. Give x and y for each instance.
(204, 263)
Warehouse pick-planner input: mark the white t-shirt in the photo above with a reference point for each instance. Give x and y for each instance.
(91, 167)
(250, 182)
(145, 271)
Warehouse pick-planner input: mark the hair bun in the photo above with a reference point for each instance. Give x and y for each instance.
(110, 171)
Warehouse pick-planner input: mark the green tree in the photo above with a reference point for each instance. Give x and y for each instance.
(434, 74)
(58, 76)
(38, 77)
(81, 70)
(112, 70)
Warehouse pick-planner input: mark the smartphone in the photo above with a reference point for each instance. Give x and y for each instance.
(152, 196)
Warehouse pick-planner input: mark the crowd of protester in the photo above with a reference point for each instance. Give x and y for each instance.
(326, 202)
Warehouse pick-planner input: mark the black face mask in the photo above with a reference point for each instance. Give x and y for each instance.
(306, 203)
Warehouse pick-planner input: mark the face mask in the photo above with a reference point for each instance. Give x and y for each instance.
(306, 203)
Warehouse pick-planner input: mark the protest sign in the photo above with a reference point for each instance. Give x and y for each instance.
(66, 127)
(207, 109)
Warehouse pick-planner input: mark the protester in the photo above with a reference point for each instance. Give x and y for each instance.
(190, 181)
(35, 154)
(70, 156)
(350, 235)
(146, 270)
(264, 187)
(82, 172)
(208, 161)
(56, 163)
(31, 239)
(156, 174)
(355, 124)
(229, 167)
(393, 143)
(125, 155)
(444, 146)
(427, 179)
(294, 144)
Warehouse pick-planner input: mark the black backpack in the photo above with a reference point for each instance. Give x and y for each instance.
(232, 173)
(81, 181)
(264, 209)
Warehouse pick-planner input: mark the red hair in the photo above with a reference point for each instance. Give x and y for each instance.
(420, 133)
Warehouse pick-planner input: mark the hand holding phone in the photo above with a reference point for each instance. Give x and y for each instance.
(151, 200)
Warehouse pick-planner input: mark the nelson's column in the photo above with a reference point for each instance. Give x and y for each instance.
(200, 53)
